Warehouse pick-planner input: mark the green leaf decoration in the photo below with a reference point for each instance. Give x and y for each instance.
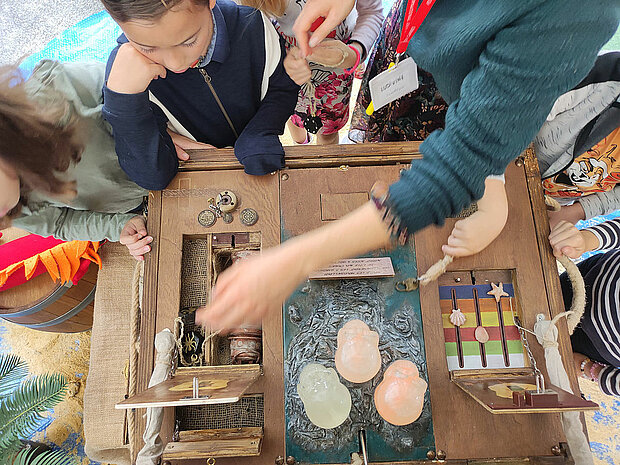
(48, 457)
(21, 413)
(13, 370)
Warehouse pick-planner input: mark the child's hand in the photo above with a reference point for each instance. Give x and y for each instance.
(250, 289)
(330, 53)
(182, 143)
(334, 12)
(571, 213)
(566, 239)
(474, 233)
(134, 237)
(132, 72)
(297, 67)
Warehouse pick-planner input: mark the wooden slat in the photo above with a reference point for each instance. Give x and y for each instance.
(148, 316)
(549, 264)
(312, 156)
(228, 433)
(215, 448)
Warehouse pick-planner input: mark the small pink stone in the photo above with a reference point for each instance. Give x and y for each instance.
(481, 335)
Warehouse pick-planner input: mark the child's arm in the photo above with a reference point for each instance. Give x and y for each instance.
(601, 203)
(566, 239)
(258, 147)
(68, 224)
(369, 21)
(474, 233)
(144, 148)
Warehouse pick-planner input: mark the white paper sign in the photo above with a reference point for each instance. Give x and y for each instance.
(355, 268)
(393, 83)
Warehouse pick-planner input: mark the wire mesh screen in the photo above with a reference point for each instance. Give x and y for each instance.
(248, 412)
(194, 273)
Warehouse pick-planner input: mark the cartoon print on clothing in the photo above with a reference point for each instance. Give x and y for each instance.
(596, 170)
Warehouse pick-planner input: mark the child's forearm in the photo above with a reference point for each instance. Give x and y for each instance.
(369, 21)
(357, 233)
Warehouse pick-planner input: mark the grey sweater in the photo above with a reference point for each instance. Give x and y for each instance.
(104, 193)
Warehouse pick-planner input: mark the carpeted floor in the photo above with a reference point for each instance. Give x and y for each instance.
(27, 25)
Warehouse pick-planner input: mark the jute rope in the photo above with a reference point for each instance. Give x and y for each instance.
(578, 304)
(133, 348)
(552, 204)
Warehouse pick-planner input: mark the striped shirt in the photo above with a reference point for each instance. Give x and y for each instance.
(601, 320)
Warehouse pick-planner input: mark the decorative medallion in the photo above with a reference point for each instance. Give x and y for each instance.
(227, 218)
(206, 218)
(248, 216)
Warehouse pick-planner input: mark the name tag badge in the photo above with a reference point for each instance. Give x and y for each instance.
(393, 83)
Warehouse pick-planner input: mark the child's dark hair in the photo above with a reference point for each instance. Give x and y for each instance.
(33, 142)
(142, 10)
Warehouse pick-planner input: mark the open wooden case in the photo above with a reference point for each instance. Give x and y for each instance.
(251, 413)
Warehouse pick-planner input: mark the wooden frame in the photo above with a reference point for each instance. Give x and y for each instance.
(539, 435)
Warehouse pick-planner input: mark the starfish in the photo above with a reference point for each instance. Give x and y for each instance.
(498, 291)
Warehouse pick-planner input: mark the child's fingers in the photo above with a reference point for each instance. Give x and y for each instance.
(181, 154)
(139, 244)
(455, 251)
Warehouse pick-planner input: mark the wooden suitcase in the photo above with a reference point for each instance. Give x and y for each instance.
(252, 414)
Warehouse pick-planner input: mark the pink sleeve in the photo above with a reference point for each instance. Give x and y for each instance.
(369, 21)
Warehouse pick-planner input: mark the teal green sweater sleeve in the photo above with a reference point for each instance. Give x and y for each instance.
(517, 73)
(68, 224)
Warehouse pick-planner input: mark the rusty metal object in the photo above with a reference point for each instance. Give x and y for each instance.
(556, 450)
(431, 455)
(246, 345)
(279, 460)
(290, 460)
(441, 455)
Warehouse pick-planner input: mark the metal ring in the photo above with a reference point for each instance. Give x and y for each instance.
(226, 201)
(210, 461)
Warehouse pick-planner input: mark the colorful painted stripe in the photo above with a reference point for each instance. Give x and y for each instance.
(491, 347)
(488, 319)
(467, 333)
(466, 291)
(493, 361)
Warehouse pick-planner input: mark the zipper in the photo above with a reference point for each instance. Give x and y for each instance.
(207, 79)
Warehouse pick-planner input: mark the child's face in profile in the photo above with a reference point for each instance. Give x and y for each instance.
(9, 188)
(177, 39)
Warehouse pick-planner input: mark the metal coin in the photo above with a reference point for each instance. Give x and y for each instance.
(206, 218)
(227, 218)
(248, 216)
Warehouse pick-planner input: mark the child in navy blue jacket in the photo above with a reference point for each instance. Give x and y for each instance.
(188, 71)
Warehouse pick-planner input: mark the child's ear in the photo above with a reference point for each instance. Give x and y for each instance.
(211, 3)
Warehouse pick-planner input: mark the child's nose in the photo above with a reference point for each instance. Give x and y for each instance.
(175, 62)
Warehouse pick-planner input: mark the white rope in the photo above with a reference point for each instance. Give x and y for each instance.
(546, 334)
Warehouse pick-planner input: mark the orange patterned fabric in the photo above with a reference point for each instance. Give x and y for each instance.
(61, 261)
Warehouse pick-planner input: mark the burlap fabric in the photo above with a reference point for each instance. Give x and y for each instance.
(107, 384)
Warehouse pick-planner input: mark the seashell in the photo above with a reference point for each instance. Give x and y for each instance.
(481, 335)
(457, 317)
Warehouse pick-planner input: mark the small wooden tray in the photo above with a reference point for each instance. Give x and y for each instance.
(491, 394)
(218, 385)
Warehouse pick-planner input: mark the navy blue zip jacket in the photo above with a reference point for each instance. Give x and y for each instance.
(248, 76)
